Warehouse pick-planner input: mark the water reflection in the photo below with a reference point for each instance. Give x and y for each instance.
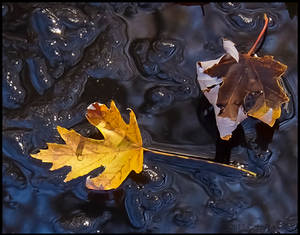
(60, 57)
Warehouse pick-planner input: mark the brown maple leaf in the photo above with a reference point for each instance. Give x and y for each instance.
(240, 84)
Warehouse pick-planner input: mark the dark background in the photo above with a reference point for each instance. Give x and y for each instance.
(57, 58)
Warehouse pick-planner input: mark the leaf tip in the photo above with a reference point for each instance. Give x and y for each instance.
(68, 177)
(112, 103)
(91, 185)
(60, 129)
(230, 48)
(94, 106)
(94, 113)
(91, 107)
(226, 137)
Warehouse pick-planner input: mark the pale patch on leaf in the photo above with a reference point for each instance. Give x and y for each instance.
(230, 49)
(209, 63)
(206, 81)
(226, 126)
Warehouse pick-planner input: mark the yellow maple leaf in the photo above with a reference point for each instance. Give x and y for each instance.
(119, 152)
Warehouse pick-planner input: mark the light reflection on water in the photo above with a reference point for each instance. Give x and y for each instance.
(142, 56)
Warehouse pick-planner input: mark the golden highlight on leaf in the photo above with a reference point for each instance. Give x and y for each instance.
(119, 152)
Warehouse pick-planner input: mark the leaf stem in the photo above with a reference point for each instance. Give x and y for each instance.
(260, 35)
(194, 157)
(169, 153)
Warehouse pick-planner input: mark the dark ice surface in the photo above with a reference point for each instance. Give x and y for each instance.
(57, 58)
